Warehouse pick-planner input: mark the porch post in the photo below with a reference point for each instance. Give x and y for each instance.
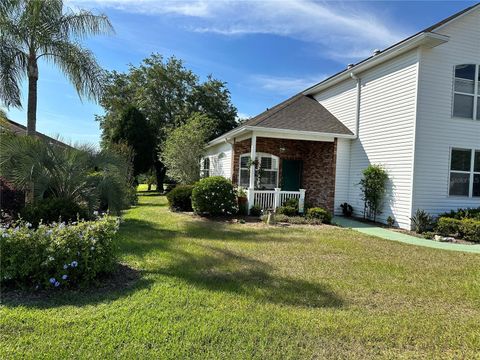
(276, 199)
(301, 201)
(251, 185)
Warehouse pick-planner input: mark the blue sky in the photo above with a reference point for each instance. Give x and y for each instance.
(265, 50)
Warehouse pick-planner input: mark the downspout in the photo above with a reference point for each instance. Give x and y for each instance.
(359, 92)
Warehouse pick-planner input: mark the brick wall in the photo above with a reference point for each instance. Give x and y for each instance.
(319, 158)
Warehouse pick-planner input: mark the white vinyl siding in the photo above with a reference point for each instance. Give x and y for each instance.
(438, 131)
(341, 101)
(386, 133)
(342, 174)
(220, 157)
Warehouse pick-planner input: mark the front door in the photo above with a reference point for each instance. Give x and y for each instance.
(291, 175)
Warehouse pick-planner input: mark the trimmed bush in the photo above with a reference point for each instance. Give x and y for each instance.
(11, 200)
(320, 214)
(256, 210)
(214, 196)
(287, 210)
(57, 255)
(470, 229)
(459, 214)
(180, 198)
(53, 210)
(448, 226)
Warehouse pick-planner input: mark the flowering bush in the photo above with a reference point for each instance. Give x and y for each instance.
(57, 255)
(214, 196)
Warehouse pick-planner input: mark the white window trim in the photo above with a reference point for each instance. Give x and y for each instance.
(472, 172)
(205, 171)
(475, 95)
(259, 155)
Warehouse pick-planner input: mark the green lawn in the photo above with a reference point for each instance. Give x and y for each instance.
(217, 290)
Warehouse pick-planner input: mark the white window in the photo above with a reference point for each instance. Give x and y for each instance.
(205, 167)
(466, 92)
(465, 173)
(266, 171)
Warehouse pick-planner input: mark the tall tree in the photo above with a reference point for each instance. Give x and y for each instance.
(168, 94)
(133, 130)
(31, 30)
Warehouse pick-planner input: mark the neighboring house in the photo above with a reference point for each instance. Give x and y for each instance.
(413, 108)
(20, 129)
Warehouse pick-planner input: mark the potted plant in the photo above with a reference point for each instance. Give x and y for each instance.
(347, 209)
(242, 201)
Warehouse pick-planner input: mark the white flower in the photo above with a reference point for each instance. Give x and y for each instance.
(51, 258)
(57, 284)
(65, 277)
(95, 213)
(49, 232)
(92, 248)
(28, 225)
(74, 264)
(65, 266)
(52, 280)
(5, 235)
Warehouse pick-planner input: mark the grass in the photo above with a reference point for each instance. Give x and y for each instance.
(217, 290)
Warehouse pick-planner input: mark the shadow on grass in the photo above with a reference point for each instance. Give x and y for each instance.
(122, 282)
(221, 270)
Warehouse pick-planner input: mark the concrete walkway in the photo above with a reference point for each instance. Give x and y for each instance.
(387, 234)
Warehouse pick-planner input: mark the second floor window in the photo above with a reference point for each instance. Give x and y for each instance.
(466, 102)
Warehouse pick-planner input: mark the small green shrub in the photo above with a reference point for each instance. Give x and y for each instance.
(292, 202)
(470, 229)
(213, 196)
(460, 214)
(421, 221)
(390, 221)
(287, 210)
(180, 198)
(53, 210)
(347, 209)
(320, 214)
(428, 235)
(57, 255)
(256, 210)
(448, 226)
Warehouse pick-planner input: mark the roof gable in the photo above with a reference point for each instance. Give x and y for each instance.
(300, 113)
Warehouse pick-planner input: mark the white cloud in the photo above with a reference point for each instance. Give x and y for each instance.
(343, 30)
(285, 85)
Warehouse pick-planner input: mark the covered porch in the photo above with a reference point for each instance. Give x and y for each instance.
(273, 169)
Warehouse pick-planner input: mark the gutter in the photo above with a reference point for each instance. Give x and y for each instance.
(427, 39)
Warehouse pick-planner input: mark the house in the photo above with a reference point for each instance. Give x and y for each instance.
(20, 129)
(413, 108)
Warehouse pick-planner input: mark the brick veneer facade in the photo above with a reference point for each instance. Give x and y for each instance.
(319, 158)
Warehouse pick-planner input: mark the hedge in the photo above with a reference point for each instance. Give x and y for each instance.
(213, 196)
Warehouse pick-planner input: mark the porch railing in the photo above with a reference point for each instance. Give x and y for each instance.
(272, 199)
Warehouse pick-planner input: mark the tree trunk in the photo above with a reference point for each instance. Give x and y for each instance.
(31, 113)
(32, 96)
(160, 171)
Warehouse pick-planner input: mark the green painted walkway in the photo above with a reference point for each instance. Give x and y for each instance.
(387, 234)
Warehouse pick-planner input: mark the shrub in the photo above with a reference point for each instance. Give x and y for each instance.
(448, 226)
(374, 187)
(470, 229)
(57, 255)
(214, 196)
(320, 214)
(459, 214)
(287, 210)
(256, 210)
(180, 198)
(421, 221)
(347, 209)
(292, 202)
(390, 221)
(53, 210)
(11, 200)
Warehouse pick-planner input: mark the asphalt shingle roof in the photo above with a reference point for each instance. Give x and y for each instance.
(300, 113)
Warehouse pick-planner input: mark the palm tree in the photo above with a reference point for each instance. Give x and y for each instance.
(31, 30)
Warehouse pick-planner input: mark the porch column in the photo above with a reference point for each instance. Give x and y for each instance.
(251, 185)
(301, 202)
(253, 155)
